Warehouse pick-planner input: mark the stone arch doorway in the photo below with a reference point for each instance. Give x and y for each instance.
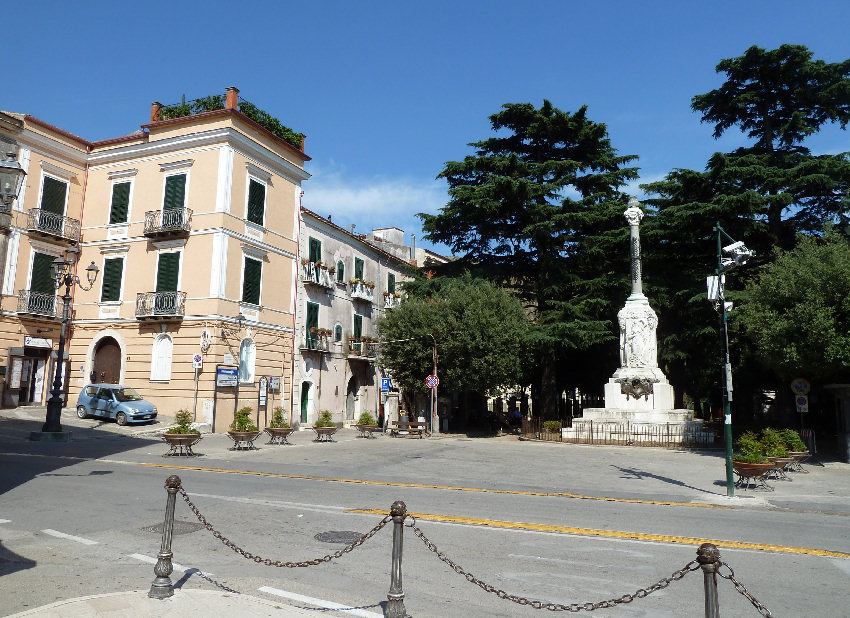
(106, 366)
(351, 399)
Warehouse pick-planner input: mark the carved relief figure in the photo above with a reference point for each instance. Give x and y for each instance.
(637, 338)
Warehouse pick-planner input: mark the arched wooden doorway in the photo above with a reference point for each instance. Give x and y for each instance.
(106, 366)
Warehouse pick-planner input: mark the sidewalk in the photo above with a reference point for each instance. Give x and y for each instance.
(185, 603)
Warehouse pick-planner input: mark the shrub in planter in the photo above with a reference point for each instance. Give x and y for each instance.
(366, 419)
(774, 443)
(750, 449)
(325, 419)
(552, 426)
(278, 422)
(183, 418)
(793, 441)
(242, 420)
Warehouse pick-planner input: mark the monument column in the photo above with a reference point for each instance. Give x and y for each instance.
(633, 216)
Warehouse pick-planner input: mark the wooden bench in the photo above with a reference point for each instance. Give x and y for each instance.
(411, 427)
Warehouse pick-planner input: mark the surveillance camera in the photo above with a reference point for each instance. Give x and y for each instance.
(735, 247)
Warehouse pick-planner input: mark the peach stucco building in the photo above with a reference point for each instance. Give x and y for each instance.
(192, 221)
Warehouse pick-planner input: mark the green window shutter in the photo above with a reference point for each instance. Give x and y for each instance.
(358, 268)
(175, 192)
(256, 202)
(312, 316)
(358, 326)
(251, 281)
(53, 195)
(391, 283)
(340, 271)
(167, 272)
(113, 268)
(120, 202)
(41, 279)
(315, 249)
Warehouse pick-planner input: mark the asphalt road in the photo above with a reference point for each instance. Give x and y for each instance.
(558, 523)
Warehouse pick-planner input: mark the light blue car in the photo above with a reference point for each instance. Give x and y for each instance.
(122, 403)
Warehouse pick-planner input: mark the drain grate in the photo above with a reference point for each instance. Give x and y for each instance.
(345, 537)
(180, 527)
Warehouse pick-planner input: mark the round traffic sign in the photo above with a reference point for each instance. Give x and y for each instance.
(432, 381)
(801, 386)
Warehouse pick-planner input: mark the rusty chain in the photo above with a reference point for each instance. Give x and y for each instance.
(693, 565)
(740, 588)
(278, 563)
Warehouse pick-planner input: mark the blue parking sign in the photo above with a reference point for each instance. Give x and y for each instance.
(385, 385)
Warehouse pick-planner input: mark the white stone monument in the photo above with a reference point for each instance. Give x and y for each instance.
(638, 395)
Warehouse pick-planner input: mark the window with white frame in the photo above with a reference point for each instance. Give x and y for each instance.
(247, 361)
(252, 277)
(54, 195)
(256, 209)
(120, 207)
(161, 358)
(113, 270)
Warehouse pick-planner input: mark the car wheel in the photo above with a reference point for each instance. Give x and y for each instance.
(121, 418)
(82, 412)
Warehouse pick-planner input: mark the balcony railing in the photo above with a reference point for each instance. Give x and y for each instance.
(174, 222)
(314, 274)
(315, 342)
(37, 304)
(50, 225)
(391, 301)
(359, 289)
(160, 305)
(361, 349)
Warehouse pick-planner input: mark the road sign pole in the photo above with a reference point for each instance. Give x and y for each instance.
(195, 402)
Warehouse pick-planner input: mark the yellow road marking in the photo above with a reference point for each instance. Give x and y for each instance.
(615, 534)
(561, 494)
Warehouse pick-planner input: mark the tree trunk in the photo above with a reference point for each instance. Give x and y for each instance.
(548, 387)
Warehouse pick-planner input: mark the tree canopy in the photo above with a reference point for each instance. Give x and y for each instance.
(536, 209)
(798, 311)
(480, 330)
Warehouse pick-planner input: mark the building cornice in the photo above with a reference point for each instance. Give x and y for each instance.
(213, 137)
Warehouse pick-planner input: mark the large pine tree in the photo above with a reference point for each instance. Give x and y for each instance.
(536, 209)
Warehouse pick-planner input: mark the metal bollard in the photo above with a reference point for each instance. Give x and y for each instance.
(395, 597)
(162, 588)
(708, 557)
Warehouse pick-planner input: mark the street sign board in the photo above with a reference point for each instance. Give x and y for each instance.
(228, 358)
(432, 381)
(801, 386)
(802, 404)
(386, 385)
(263, 390)
(226, 376)
(197, 361)
(274, 383)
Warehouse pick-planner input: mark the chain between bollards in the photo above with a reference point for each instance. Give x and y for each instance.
(395, 597)
(162, 588)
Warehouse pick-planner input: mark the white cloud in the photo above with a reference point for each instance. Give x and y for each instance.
(373, 202)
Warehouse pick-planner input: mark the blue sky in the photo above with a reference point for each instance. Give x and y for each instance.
(387, 92)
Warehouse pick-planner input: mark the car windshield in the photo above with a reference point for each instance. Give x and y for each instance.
(127, 394)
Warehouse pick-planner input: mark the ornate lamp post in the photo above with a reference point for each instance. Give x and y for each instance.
(62, 275)
(11, 182)
(738, 255)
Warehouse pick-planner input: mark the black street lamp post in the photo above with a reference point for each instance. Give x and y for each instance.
(739, 254)
(62, 275)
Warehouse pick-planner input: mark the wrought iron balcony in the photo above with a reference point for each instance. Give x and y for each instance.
(361, 349)
(359, 289)
(51, 226)
(175, 222)
(315, 342)
(391, 301)
(315, 274)
(160, 305)
(37, 304)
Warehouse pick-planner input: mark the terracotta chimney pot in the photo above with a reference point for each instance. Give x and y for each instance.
(232, 99)
(156, 111)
